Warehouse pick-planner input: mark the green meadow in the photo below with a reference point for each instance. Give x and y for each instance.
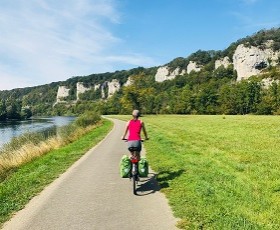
(218, 172)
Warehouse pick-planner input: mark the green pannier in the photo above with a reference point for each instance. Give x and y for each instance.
(125, 166)
(143, 167)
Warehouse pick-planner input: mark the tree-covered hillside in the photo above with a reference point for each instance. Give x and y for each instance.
(208, 91)
(40, 100)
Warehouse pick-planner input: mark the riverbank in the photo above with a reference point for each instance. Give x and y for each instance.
(28, 180)
(11, 129)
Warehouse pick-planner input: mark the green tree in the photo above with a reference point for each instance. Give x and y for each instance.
(14, 110)
(3, 112)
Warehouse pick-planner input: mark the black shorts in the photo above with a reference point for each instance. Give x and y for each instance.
(134, 144)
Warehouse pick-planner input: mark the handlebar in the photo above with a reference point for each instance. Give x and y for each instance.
(142, 140)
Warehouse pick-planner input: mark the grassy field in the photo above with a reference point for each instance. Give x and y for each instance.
(28, 180)
(218, 172)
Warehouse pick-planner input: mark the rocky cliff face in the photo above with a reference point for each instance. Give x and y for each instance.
(108, 89)
(222, 62)
(250, 61)
(193, 66)
(81, 89)
(247, 61)
(62, 93)
(113, 87)
(164, 73)
(96, 86)
(128, 82)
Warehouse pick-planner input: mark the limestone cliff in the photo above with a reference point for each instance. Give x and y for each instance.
(97, 86)
(128, 82)
(222, 62)
(81, 89)
(164, 73)
(251, 60)
(193, 66)
(248, 60)
(113, 87)
(62, 93)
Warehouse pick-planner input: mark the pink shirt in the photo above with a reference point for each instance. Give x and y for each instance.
(134, 128)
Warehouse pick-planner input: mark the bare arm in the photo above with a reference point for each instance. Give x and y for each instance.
(145, 131)
(125, 132)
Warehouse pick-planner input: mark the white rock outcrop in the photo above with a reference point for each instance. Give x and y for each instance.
(81, 89)
(128, 82)
(192, 66)
(103, 86)
(164, 73)
(249, 61)
(267, 82)
(62, 93)
(222, 62)
(113, 87)
(97, 86)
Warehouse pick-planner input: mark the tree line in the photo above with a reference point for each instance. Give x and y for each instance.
(13, 109)
(206, 92)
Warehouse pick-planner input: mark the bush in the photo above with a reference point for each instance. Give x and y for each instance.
(88, 118)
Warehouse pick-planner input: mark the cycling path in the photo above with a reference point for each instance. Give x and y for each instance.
(91, 195)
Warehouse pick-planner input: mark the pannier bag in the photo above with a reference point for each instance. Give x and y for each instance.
(143, 167)
(125, 166)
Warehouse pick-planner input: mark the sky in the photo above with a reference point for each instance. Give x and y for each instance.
(44, 41)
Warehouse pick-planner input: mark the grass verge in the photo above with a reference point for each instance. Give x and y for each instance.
(28, 180)
(218, 172)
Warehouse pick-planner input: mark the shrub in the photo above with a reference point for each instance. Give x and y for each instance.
(88, 118)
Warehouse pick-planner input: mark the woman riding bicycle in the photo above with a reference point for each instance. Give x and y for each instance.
(133, 128)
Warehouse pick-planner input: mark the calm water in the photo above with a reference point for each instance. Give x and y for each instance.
(10, 129)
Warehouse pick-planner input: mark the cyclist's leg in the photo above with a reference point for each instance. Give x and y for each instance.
(139, 150)
(138, 155)
(137, 145)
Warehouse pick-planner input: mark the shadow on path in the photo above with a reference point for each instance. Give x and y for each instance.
(148, 185)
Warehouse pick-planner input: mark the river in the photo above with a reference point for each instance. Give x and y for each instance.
(10, 129)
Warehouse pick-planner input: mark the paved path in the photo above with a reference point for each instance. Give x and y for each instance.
(91, 195)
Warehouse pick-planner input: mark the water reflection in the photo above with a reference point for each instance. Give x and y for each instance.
(47, 125)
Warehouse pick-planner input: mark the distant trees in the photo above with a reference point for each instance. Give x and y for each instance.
(3, 111)
(12, 109)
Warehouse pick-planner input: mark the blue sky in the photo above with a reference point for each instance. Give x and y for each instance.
(44, 41)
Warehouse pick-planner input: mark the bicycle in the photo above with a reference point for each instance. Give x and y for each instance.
(134, 173)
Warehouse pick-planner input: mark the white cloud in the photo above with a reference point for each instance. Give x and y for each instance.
(47, 40)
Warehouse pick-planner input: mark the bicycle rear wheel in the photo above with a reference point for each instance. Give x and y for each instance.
(134, 181)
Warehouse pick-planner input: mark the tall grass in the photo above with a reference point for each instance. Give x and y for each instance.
(29, 146)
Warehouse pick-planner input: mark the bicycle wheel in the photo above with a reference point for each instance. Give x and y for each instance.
(134, 181)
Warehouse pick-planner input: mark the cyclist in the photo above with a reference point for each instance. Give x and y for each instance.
(133, 128)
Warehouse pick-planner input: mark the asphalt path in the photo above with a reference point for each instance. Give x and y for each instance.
(91, 195)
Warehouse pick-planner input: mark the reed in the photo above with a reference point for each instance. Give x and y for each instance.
(30, 146)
